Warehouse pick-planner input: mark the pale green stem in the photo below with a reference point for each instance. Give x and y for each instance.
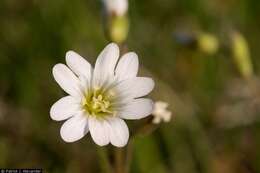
(104, 161)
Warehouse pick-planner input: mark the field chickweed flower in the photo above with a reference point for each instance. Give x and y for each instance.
(117, 7)
(100, 98)
(161, 113)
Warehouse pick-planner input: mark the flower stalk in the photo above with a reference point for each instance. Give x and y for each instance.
(119, 154)
(104, 160)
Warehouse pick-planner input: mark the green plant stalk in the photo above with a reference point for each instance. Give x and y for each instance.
(104, 161)
(119, 154)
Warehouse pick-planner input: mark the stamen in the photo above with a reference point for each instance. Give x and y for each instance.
(98, 103)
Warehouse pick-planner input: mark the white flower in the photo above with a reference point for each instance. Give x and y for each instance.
(100, 98)
(161, 113)
(117, 7)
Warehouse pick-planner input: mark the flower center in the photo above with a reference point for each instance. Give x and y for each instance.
(98, 103)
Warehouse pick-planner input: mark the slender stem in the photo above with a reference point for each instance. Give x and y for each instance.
(104, 160)
(129, 155)
(119, 160)
(146, 128)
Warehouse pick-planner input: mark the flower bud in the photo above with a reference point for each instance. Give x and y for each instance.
(161, 113)
(116, 7)
(117, 30)
(116, 20)
(241, 54)
(207, 43)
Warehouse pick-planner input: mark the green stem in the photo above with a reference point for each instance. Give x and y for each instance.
(146, 128)
(129, 154)
(104, 161)
(119, 160)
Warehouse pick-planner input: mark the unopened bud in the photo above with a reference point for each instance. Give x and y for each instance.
(241, 54)
(116, 7)
(117, 30)
(208, 43)
(116, 20)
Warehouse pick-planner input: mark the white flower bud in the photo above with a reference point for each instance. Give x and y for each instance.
(117, 7)
(161, 113)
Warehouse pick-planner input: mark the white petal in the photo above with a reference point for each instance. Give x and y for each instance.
(135, 87)
(105, 64)
(66, 79)
(74, 128)
(127, 66)
(137, 109)
(157, 120)
(85, 83)
(99, 131)
(119, 7)
(64, 108)
(118, 132)
(78, 64)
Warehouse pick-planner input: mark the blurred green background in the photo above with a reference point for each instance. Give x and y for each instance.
(215, 126)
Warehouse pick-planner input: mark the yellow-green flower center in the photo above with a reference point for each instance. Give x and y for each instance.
(98, 103)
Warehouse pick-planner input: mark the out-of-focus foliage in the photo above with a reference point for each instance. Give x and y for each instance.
(208, 133)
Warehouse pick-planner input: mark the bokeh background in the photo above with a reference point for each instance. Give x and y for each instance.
(215, 125)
